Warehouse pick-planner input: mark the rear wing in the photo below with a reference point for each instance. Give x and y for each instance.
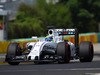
(65, 31)
(69, 32)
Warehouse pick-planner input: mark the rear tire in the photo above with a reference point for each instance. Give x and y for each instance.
(13, 63)
(63, 50)
(86, 51)
(14, 49)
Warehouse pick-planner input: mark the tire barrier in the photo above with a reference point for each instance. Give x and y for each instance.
(93, 37)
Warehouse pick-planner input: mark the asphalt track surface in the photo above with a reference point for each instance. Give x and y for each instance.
(72, 68)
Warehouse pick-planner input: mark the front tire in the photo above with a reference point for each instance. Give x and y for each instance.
(86, 51)
(13, 50)
(63, 50)
(13, 63)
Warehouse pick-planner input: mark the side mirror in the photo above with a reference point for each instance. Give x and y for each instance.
(34, 37)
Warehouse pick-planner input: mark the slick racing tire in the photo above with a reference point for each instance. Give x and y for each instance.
(14, 49)
(13, 63)
(86, 51)
(63, 52)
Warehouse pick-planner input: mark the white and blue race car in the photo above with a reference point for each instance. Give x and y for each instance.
(51, 49)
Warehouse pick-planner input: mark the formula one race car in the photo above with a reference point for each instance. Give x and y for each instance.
(51, 49)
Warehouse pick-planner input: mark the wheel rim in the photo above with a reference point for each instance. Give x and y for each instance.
(91, 51)
(18, 51)
(67, 52)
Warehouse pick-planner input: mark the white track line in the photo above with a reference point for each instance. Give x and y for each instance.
(92, 73)
(74, 69)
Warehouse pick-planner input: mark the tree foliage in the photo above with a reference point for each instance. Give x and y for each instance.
(33, 20)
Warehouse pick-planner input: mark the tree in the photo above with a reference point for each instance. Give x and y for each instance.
(33, 20)
(83, 14)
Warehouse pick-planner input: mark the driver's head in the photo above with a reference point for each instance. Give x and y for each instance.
(49, 38)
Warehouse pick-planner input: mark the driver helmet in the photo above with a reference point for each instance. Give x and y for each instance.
(49, 38)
